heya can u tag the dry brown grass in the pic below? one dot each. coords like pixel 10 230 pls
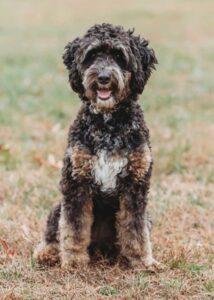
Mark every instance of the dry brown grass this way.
pixel 36 106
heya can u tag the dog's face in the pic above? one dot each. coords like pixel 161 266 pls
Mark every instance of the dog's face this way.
pixel 108 65
pixel 106 78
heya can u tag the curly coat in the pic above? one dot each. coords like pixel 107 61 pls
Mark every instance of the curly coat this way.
pixel 107 164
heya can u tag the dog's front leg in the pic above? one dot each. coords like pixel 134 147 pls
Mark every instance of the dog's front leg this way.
pixel 133 226
pixel 133 231
pixel 75 229
pixel 76 214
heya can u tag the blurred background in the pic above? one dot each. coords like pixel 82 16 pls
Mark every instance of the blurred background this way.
pixel 37 105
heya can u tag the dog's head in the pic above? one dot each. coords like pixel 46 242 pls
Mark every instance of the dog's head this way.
pixel 108 65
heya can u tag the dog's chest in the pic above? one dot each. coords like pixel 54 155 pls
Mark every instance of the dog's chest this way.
pixel 106 169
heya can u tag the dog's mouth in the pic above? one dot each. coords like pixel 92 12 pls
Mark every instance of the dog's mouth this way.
pixel 104 93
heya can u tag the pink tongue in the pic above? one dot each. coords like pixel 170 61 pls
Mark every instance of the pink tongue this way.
pixel 104 94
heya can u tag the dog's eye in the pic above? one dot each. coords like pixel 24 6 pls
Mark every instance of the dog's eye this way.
pixel 90 56
pixel 119 58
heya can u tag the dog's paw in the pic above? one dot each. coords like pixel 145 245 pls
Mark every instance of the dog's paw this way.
pixel 47 255
pixel 153 265
pixel 148 263
pixel 74 261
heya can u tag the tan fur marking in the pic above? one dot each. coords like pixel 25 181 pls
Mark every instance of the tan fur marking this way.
pixel 46 254
pixel 73 252
pixel 126 90
pixel 139 162
pixel 81 162
pixel 127 237
pixel 134 246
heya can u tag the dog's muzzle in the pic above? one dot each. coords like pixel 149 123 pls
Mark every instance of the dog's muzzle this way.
pixel 104 87
pixel 104 91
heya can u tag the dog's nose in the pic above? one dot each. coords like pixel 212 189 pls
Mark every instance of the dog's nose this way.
pixel 103 77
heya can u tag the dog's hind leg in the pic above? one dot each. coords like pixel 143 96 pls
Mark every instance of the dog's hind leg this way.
pixel 47 251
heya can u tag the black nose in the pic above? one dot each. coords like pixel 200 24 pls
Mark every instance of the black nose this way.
pixel 103 78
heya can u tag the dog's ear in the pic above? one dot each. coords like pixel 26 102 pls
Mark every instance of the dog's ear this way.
pixel 148 59
pixel 145 60
pixel 69 59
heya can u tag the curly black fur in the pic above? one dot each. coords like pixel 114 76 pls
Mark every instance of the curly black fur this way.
pixel 119 212
pixel 142 58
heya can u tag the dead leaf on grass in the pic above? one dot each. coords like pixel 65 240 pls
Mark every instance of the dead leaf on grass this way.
pixel 10 251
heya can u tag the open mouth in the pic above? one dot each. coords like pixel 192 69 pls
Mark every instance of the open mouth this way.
pixel 104 94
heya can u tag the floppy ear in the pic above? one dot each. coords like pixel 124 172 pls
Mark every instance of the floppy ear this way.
pixel 145 59
pixel 69 59
pixel 148 59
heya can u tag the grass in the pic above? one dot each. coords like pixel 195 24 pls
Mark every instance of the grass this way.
pixel 36 106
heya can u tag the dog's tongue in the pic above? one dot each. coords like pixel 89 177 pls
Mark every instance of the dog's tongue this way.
pixel 103 94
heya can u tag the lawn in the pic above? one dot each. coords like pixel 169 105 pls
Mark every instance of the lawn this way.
pixel 36 107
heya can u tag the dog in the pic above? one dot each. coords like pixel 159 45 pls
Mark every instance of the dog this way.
pixel 108 162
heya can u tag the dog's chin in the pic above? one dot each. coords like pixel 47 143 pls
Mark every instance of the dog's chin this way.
pixel 105 105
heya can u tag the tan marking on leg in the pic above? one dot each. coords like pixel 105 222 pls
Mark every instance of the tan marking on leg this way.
pixel 148 260
pixel 139 162
pixel 73 252
pixel 135 246
pixel 127 236
pixel 46 254
pixel 81 162
pixel 147 249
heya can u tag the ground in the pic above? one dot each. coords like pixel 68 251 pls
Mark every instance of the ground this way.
pixel 36 106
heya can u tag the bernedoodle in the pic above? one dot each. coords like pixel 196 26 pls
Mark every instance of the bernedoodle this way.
pixel 108 162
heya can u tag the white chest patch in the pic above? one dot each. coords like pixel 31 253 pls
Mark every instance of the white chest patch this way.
pixel 106 168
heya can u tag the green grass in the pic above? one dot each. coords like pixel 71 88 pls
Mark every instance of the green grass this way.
pixel 108 291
